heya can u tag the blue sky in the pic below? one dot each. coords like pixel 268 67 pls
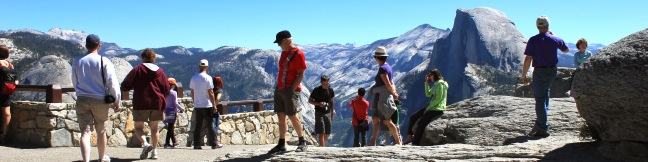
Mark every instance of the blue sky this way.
pixel 253 24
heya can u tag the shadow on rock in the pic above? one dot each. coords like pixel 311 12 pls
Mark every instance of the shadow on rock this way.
pixel 113 159
pixel 519 139
pixel 582 151
pixel 261 157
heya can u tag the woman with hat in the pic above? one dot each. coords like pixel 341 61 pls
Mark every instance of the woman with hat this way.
pixel 384 98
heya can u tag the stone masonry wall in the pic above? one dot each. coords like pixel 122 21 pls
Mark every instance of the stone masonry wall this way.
pixel 38 124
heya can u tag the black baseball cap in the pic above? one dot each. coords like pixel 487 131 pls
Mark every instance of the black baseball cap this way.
pixel 282 35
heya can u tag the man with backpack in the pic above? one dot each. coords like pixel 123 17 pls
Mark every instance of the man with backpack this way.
pixel 95 83
pixel 292 64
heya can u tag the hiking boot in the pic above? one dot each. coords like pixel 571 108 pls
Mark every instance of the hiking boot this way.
pixel 277 149
pixel 154 154
pixel 533 131
pixel 145 151
pixel 541 134
pixel 301 147
pixel 2 139
pixel 106 158
pixel 409 140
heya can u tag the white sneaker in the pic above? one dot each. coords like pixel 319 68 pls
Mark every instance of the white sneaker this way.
pixel 154 154
pixel 145 150
pixel 106 158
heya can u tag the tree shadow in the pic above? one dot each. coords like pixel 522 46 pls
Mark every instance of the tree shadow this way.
pixel 581 151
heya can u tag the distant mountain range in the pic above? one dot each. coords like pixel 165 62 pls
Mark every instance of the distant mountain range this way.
pixel 482 54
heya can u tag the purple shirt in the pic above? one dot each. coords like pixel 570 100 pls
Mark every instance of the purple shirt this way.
pixel 384 69
pixel 172 107
pixel 543 48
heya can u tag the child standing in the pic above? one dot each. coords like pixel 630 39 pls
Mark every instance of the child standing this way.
pixel 360 107
pixel 170 113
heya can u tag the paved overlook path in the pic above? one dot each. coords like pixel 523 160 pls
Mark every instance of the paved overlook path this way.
pixel 554 148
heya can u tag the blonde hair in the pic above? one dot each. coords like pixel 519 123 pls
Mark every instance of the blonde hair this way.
pixel 581 41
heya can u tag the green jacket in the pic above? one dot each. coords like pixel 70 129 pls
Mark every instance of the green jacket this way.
pixel 438 94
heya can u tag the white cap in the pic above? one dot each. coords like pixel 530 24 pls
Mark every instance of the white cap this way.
pixel 381 51
pixel 542 22
pixel 204 62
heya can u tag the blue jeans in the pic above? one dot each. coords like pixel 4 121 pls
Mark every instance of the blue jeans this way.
pixel 542 80
pixel 215 123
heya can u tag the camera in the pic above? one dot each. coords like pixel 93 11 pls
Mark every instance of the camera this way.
pixel 109 99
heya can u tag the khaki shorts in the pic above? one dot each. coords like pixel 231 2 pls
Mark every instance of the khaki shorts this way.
pixel 91 112
pixel 286 101
pixel 147 115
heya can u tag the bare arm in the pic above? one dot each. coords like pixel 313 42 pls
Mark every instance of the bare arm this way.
pixel 298 80
pixel 525 69
pixel 212 98
pixel 193 98
pixel 389 85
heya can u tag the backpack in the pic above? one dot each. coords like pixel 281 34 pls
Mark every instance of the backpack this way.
pixel 8 78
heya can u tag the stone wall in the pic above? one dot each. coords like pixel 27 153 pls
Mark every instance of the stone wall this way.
pixel 39 124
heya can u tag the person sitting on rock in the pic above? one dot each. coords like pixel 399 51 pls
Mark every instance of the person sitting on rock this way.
pixel 542 50
pixel 437 90
pixel 582 54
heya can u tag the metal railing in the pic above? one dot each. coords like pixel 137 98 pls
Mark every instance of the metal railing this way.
pixel 54 94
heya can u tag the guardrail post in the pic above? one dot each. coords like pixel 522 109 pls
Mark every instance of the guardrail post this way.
pixel 180 92
pixel 258 106
pixel 222 108
pixel 125 95
pixel 54 94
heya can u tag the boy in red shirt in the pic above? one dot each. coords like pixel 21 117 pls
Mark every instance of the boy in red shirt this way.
pixel 360 121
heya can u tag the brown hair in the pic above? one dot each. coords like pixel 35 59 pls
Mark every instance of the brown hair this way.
pixel 436 74
pixel 218 82
pixel 381 58
pixel 4 52
pixel 581 41
pixel 148 55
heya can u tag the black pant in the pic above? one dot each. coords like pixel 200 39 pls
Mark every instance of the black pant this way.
pixel 203 116
pixel 170 134
pixel 362 133
pixel 423 117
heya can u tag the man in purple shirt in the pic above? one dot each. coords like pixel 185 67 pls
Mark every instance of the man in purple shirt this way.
pixel 542 50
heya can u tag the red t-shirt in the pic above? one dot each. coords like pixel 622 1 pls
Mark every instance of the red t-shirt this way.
pixel 298 63
pixel 360 110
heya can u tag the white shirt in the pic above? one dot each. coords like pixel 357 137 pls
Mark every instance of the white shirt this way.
pixel 200 84
pixel 86 77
